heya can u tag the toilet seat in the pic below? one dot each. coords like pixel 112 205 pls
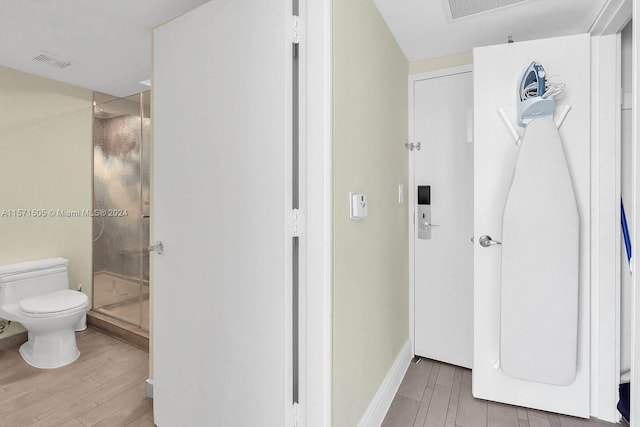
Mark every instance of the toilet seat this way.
pixel 54 303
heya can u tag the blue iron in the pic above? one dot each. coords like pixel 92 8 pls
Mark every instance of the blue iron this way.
pixel 533 100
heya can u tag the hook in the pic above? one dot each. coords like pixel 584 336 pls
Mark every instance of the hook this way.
pixel 512 130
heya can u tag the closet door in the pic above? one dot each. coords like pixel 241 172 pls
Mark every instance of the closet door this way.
pixel 222 195
pixel 512 312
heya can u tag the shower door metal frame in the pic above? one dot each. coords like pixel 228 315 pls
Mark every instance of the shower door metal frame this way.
pixel 143 246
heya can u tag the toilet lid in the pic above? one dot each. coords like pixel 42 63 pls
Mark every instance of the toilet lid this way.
pixel 54 302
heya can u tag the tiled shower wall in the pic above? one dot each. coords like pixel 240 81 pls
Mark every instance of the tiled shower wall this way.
pixel 121 195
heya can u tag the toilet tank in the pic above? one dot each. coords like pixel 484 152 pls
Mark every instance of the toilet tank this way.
pixel 29 279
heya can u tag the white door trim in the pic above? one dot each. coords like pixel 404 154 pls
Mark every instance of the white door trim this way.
pixel 635 233
pixel 411 190
pixel 605 225
pixel 318 135
pixel 612 18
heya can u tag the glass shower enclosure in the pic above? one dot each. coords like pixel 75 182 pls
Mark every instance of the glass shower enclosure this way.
pixel 121 137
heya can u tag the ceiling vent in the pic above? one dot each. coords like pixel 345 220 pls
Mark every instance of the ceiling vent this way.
pixel 461 8
pixel 53 60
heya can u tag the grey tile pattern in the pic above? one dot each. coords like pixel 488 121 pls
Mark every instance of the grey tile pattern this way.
pixel 471 412
pixel 538 419
pixel 522 414
pixel 445 376
pixel 554 420
pixel 500 415
pixel 104 387
pixel 437 414
pixel 424 407
pixel 402 412
pixel 415 381
pixel 452 411
pixel 435 394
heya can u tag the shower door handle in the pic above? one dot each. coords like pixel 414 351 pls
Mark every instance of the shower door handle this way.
pixel 486 241
pixel 158 247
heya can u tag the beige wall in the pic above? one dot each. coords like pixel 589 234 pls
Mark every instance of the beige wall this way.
pixel 45 163
pixel 370 307
pixel 441 62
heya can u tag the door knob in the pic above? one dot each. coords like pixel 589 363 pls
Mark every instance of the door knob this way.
pixel 158 247
pixel 486 241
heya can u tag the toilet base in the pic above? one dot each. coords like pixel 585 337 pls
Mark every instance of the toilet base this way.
pixel 50 350
pixel 82 323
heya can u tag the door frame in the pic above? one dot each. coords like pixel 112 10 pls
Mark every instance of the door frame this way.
pixel 413 79
pixel 316 114
pixel 612 20
pixel 635 233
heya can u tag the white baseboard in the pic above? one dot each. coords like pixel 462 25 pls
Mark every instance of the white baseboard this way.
pixel 375 413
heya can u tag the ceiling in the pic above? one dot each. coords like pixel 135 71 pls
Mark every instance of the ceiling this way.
pixel 108 42
pixel 424 29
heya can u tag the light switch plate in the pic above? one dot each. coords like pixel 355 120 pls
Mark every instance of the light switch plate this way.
pixel 400 194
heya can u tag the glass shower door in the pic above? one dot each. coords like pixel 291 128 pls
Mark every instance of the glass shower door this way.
pixel 121 208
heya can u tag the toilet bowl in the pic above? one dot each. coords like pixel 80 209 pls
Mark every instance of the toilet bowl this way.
pixel 37 295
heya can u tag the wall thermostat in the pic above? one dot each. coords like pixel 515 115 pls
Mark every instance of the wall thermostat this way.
pixel 358 206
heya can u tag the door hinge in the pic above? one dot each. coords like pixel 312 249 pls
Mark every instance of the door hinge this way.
pixel 297 223
pixel 411 146
pixel 295 29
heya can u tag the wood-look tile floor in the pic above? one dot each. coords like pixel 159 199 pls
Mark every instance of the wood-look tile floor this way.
pixel 104 387
pixel 434 394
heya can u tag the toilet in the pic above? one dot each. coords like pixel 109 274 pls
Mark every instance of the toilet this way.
pixel 37 295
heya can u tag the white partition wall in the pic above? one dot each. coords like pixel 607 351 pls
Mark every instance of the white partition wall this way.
pixel 497 72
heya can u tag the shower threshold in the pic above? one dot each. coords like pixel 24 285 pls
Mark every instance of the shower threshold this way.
pixel 119 329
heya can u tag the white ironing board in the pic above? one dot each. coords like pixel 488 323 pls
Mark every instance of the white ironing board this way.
pixel 540 260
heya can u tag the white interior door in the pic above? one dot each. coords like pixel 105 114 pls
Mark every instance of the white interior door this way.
pixel 222 194
pixel 443 263
pixel 497 72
